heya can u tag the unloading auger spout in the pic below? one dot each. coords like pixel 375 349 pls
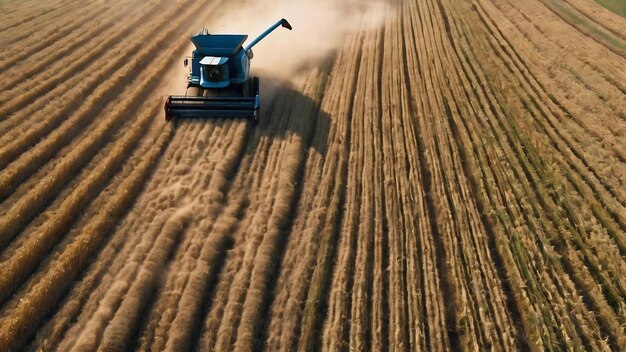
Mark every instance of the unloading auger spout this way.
pixel 282 22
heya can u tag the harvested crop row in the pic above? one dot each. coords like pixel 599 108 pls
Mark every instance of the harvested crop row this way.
pixel 357 211
pixel 44 150
pixel 460 100
pixel 26 257
pixel 121 68
pixel 596 83
pixel 21 321
pixel 598 67
pixel 26 16
pixel 299 127
pixel 337 157
pixel 369 228
pixel 53 86
pixel 166 58
pixel 593 136
pixel 440 210
pixel 261 165
pixel 75 305
pixel 458 218
pixel 435 306
pixel 590 261
pixel 581 179
pixel 33 34
pixel 87 306
pixel 426 288
pixel 177 169
pixel 549 230
pixel 454 100
pixel 478 255
pixel 52 63
pixel 29 205
pixel 324 163
pixel 150 230
pixel 117 253
pixel 404 214
pixel 127 310
pixel 601 16
pixel 252 172
pixel 204 166
pixel 585 188
pixel 272 162
pixel 22 51
pixel 220 223
pixel 157 191
pixel 593 175
pixel 587 26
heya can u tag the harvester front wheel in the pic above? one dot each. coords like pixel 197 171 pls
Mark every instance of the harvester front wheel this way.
pixel 255 85
pixel 255 92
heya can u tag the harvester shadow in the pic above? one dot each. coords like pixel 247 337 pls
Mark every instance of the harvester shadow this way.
pixel 286 112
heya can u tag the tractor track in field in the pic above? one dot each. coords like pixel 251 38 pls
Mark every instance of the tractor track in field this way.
pixel 445 179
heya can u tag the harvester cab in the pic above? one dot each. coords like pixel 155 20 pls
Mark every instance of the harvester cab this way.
pixel 220 69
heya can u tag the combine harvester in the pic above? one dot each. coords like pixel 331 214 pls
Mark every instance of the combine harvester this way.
pixel 220 66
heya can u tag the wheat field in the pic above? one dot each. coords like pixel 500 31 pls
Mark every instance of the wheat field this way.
pixel 427 175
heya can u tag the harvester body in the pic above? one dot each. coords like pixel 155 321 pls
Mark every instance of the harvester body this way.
pixel 218 61
pixel 220 69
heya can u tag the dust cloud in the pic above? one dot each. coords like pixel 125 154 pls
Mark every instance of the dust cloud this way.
pixel 319 28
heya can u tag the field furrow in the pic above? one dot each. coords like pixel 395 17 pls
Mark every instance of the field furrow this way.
pixel 28 205
pixel 22 51
pixel 27 15
pixel 20 93
pixel 74 109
